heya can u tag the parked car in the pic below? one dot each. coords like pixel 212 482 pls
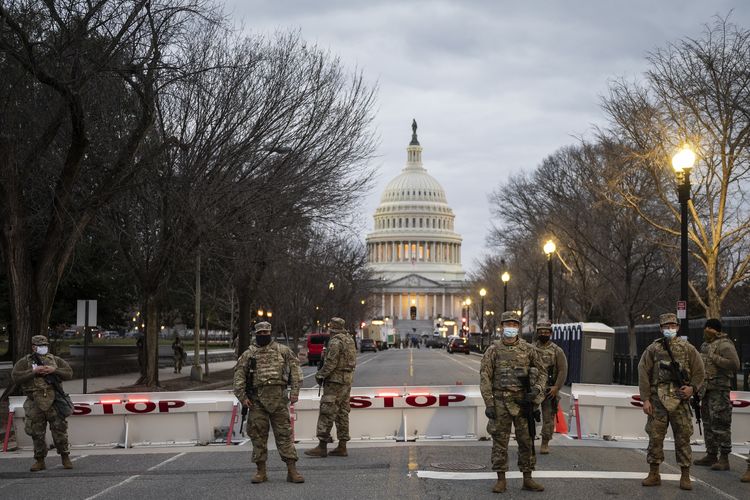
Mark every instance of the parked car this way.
pixel 367 345
pixel 70 334
pixel 458 344
pixel 436 341
pixel 315 344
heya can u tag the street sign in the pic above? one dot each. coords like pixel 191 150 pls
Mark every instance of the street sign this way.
pixel 81 317
pixel 681 309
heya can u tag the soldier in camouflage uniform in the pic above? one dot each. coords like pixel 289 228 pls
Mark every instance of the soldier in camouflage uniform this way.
pixel 276 366
pixel 40 396
pixel 336 376
pixel 178 352
pixel 555 372
pixel 721 362
pixel 664 402
pixel 504 364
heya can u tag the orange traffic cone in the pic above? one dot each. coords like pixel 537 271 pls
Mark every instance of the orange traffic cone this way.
pixel 561 426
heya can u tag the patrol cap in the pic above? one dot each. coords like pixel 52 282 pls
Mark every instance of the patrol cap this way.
pixel 39 340
pixel 510 316
pixel 714 324
pixel 337 325
pixel 544 324
pixel 263 326
pixel 668 318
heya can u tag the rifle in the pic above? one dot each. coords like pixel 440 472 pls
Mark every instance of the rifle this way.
pixel 321 362
pixel 532 414
pixel 681 378
pixel 249 390
pixel 550 382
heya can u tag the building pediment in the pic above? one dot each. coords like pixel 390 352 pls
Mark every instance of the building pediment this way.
pixel 414 281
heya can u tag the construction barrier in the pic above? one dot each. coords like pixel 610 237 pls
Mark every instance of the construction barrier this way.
pixel 214 417
pixel 616 412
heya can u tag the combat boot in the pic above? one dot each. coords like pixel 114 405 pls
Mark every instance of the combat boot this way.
pixel 707 461
pixel 746 477
pixel 500 484
pixel 339 451
pixel 529 484
pixel 685 483
pixel 653 478
pixel 66 463
pixel 722 464
pixel 292 476
pixel 544 449
pixel 38 465
pixel 318 451
pixel 260 475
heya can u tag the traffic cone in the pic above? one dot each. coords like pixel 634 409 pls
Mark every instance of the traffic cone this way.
pixel 561 426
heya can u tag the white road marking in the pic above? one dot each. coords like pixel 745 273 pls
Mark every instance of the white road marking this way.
pixel 358 365
pixel 133 478
pixel 543 474
pixel 743 457
pixel 457 361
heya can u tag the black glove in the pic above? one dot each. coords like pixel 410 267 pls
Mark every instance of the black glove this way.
pixel 319 379
pixel 490 413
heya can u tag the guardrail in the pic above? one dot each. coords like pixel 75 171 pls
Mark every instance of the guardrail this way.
pixel 615 412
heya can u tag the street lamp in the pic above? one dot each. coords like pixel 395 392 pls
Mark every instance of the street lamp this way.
pixel 468 315
pixel 505 278
pixel 482 293
pixel 683 162
pixel 549 249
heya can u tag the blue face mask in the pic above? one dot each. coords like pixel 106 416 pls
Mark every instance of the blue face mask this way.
pixel 669 333
pixel 510 332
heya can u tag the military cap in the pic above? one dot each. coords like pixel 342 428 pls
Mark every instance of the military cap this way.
pixel 39 340
pixel 337 325
pixel 544 324
pixel 668 318
pixel 714 324
pixel 263 326
pixel 510 316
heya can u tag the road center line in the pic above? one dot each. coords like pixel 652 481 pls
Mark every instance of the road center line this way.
pixel 136 476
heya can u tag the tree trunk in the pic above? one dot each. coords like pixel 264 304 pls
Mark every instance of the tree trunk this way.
pixel 152 342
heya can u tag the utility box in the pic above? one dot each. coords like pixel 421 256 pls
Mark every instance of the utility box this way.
pixel 590 349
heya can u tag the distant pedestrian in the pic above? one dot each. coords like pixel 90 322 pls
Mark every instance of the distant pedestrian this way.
pixel 39 375
pixel 178 352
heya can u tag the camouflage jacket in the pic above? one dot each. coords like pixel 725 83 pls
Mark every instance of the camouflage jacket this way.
pixel 503 366
pixel 35 387
pixel 554 361
pixel 275 366
pixel 653 368
pixel 721 362
pixel 340 359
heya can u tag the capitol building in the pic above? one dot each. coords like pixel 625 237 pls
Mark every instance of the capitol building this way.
pixel 414 254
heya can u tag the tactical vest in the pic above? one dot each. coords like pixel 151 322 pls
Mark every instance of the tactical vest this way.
pixel 270 365
pixel 548 357
pixel 343 372
pixel 716 377
pixel 511 365
pixel 37 389
pixel 661 374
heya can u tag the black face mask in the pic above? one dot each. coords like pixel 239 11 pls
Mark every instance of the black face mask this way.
pixel 543 338
pixel 262 340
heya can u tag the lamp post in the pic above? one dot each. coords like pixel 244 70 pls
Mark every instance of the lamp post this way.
pixel 505 278
pixel 682 162
pixel 549 250
pixel 482 293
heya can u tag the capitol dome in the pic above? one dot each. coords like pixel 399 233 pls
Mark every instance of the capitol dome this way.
pixel 415 255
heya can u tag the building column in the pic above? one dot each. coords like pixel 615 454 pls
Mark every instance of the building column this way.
pixel 382 305
pixel 434 306
pixel 391 314
pixel 442 310
pixel 453 307
pixel 400 305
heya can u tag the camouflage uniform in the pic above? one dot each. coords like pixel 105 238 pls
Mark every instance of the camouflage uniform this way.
pixel 178 352
pixel 556 369
pixel 721 362
pixel 275 367
pixel 656 385
pixel 338 373
pixel 40 397
pixel 501 388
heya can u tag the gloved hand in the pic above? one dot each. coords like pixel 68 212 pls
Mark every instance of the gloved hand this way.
pixel 490 412
pixel 319 379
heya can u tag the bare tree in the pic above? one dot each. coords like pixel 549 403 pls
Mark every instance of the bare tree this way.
pixel 696 91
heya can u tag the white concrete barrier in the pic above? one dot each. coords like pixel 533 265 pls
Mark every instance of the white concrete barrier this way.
pixel 615 411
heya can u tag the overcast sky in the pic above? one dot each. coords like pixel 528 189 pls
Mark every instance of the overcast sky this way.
pixel 495 86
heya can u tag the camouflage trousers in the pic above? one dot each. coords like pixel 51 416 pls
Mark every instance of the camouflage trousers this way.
pixel 334 408
pixel 271 409
pixel 548 419
pixel 36 427
pixel 499 429
pixel 178 363
pixel 682 429
pixel 716 412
